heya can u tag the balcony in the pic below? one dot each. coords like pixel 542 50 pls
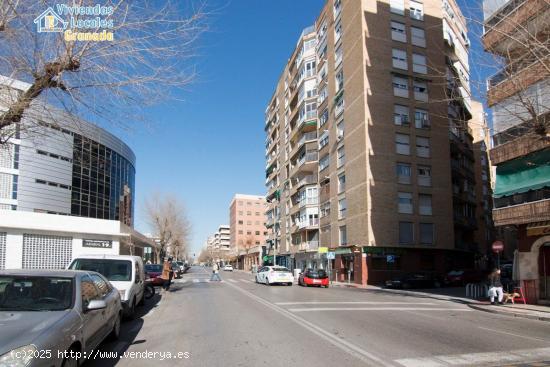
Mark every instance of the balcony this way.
pixel 307 180
pixel 523 213
pixel 517 148
pixel 506 20
pixel 308 224
pixel 309 201
pixel 506 84
pixel 308 246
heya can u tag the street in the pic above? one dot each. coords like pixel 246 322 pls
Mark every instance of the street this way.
pixel 239 323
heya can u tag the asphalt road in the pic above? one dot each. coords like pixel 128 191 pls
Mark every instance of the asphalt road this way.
pixel 239 323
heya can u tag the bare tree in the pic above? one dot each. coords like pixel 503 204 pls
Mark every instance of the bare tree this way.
pixel 168 221
pixel 519 59
pixel 137 55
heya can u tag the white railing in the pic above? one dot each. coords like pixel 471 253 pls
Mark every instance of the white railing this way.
pixel 476 291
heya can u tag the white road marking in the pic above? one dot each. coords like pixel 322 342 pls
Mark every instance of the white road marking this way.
pixel 368 358
pixel 232 280
pixel 512 334
pixel 379 309
pixel 352 303
pixel 245 280
pixel 474 359
pixel 196 280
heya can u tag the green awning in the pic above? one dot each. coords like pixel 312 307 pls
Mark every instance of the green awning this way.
pixel 520 175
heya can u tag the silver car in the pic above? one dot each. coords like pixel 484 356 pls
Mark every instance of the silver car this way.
pixel 55 317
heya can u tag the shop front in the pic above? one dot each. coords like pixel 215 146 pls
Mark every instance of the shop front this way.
pixel 532 262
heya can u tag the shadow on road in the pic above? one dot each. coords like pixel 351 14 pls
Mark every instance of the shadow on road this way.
pixel 128 333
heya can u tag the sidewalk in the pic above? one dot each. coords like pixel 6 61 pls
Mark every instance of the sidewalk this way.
pixel 457 294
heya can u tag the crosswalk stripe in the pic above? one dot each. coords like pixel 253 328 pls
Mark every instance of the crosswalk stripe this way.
pixel 232 280
pixel 473 359
pixel 196 280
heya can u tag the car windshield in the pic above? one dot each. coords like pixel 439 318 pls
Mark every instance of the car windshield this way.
pixel 35 293
pixel 282 270
pixel 317 273
pixel 180 263
pixel 153 268
pixel 114 270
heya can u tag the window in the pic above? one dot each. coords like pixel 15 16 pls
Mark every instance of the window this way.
pixel 240 232
pixel 398 32
pixel 338 56
pixel 248 233
pixel 421 120
pixel 257 233
pixel 342 208
pixel 402 144
pixel 240 222
pixel 397 7
pixel 248 213
pixel 420 91
pixel 323 140
pixel 403 173
pixel 423 147
pixel 323 162
pixel 400 87
pixel 101 285
pixel 323 118
pixel 240 212
pixel 426 233
pixel 406 233
pixel 425 204
pixel 399 59
pixel 424 176
pixel 419 64
pixel 337 32
pixel 343 236
pixel 400 115
pixel 325 209
pixel 341 183
pixel 339 81
pixel 340 130
pixel 405 204
pixel 257 213
pixel 418 37
pixel 341 157
pixel 88 290
pixel 416 10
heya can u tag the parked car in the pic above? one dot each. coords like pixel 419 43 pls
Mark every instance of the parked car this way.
pixel 154 271
pixel 125 272
pixel 228 267
pixel 46 311
pixel 316 277
pixel 463 277
pixel 415 280
pixel 274 275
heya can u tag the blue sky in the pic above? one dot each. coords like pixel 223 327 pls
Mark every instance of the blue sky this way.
pixel 210 146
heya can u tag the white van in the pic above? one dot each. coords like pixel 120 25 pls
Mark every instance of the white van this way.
pixel 123 271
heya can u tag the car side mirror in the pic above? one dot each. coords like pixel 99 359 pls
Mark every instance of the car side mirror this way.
pixel 96 304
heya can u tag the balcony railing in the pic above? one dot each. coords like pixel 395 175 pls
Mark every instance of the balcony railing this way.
pixel 309 201
pixel 308 223
pixel 517 148
pixel 308 245
pixel 536 211
pixel 308 157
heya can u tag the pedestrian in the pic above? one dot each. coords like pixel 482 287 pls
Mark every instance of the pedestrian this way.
pixel 167 273
pixel 495 287
pixel 215 273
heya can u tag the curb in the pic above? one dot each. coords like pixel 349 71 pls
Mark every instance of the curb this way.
pixel 512 314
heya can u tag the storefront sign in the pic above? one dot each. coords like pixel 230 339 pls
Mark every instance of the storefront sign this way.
pixel 322 250
pixel 97 243
pixel 341 251
pixel 539 229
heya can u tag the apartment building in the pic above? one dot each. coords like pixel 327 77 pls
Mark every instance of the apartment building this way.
pixel 516 32
pixel 247 229
pixel 366 135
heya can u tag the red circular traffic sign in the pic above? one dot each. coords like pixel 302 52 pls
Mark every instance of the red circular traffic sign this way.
pixel 498 246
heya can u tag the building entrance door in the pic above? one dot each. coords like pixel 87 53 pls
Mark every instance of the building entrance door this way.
pixel 544 271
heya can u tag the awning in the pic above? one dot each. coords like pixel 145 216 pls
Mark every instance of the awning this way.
pixel 523 174
pixel 538 229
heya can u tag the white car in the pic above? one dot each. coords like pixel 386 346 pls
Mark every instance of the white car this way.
pixel 274 275
pixel 228 268
pixel 125 272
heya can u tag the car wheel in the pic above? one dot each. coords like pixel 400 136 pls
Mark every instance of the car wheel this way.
pixel 290 284
pixel 256 277
pixel 267 281
pixel 115 333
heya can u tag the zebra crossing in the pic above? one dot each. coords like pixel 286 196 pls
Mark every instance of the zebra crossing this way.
pixel 207 280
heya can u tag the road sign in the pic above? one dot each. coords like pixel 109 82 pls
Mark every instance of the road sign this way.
pixel 390 259
pixel 498 246
pixel 331 255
